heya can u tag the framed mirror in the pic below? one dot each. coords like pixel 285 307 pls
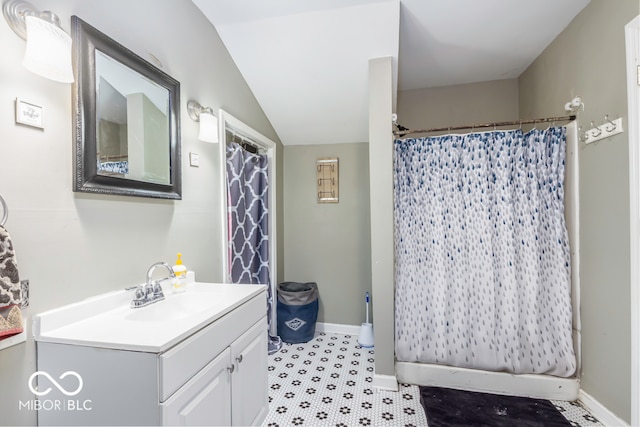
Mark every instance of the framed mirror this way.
pixel 127 120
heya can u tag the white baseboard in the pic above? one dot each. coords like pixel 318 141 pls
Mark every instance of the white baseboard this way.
pixel 385 382
pixel 598 410
pixel 336 328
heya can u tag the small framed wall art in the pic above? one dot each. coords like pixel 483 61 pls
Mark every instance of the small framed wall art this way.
pixel 29 114
pixel 327 180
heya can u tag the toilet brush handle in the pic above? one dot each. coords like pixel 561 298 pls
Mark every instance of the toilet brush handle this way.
pixel 367 305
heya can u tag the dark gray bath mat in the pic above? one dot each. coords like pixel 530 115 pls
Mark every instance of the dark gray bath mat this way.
pixel 447 407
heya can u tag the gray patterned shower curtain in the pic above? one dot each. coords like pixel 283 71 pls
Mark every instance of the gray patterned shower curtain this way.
pixel 248 211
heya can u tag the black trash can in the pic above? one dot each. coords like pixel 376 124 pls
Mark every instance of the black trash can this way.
pixel 297 311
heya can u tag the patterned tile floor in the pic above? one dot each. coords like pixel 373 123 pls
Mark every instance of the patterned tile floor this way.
pixel 328 382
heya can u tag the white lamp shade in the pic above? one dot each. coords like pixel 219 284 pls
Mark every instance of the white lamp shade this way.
pixel 208 127
pixel 48 51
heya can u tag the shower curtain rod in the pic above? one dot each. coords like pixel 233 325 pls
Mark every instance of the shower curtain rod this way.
pixel 406 131
pixel 244 142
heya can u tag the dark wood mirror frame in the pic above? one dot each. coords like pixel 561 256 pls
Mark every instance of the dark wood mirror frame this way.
pixel 86 40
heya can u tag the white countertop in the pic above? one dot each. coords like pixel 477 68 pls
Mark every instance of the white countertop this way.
pixel 108 321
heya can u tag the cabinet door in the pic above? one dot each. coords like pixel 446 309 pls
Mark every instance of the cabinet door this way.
pixel 249 382
pixel 205 400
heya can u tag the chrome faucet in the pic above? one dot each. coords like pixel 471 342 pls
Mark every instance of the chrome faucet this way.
pixel 151 291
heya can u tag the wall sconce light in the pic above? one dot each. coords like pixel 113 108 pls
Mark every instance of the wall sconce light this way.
pixel 208 122
pixel 48 51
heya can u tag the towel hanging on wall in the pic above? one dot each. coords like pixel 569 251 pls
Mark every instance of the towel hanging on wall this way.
pixel 10 289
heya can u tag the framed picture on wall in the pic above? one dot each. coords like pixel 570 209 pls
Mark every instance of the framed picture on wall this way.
pixel 327 180
pixel 29 114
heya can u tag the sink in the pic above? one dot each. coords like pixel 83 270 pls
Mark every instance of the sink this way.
pixel 108 321
pixel 172 308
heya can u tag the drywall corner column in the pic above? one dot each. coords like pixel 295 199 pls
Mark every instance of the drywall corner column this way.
pixel 381 199
pixel 632 43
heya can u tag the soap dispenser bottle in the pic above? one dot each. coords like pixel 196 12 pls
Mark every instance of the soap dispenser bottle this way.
pixel 180 282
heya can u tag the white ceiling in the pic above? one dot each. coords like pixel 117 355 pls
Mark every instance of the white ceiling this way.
pixel 306 61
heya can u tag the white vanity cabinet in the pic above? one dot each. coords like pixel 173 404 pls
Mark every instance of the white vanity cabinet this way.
pixel 230 390
pixel 249 381
pixel 213 374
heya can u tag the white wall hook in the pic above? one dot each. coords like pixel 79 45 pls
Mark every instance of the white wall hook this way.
pixel 612 127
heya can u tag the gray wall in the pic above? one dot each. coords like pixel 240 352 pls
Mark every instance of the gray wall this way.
pixel 566 69
pixel 72 246
pixel 459 105
pixel 329 243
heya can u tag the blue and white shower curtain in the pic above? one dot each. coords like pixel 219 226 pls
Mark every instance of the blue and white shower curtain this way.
pixel 482 253
pixel 248 210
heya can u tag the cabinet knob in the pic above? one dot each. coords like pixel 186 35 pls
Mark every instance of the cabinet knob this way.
pixel 239 359
pixel 231 369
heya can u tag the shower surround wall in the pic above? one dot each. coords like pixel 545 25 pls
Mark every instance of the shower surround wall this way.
pixel 71 245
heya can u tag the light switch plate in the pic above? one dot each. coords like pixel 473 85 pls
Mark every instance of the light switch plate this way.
pixel 193 160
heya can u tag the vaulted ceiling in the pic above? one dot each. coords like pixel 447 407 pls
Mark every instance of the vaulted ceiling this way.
pixel 307 61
